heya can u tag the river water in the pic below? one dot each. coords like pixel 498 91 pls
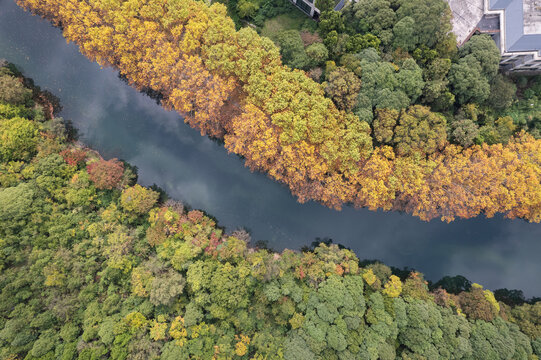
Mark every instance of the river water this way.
pixel 120 122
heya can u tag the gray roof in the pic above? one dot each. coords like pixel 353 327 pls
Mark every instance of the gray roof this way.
pixel 516 23
pixel 340 5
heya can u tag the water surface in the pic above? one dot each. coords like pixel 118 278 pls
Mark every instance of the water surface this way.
pixel 120 122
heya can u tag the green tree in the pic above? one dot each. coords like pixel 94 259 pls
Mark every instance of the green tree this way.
pixel 138 200
pixel 431 20
pixel 352 63
pixel 13 91
pixel 502 92
pixel 15 202
pixel 468 81
pixel 437 84
pixel 18 138
pixel 453 284
pixel 374 16
pixel 358 42
pixel 404 34
pixel 292 49
pixel 317 53
pixel 247 8
pixel 484 49
pixel 166 287
pixel 410 79
pixel 330 21
pixel 325 5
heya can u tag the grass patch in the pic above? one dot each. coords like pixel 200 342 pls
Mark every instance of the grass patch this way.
pixel 295 21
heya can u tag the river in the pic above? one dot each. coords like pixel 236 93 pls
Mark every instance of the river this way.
pixel 120 122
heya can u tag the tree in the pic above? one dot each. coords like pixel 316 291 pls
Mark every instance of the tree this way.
pixel 474 304
pixel 358 42
pixel 374 16
pixel 336 43
pixel 325 5
pixel 484 49
pixel 453 284
pixel 431 20
pixel 342 86
pixel 510 297
pixel 502 92
pixel 247 8
pixel 292 49
pixel 499 131
pixel 352 63
pixel 138 200
pixel 318 53
pixel 16 202
pixel 419 129
pixel 468 81
pixel 436 83
pixel 384 125
pixel 404 36
pixel 13 91
pixel 465 131
pixel 166 287
pixel 18 137
pixel 74 157
pixel 296 348
pixel 330 21
pixel 105 174
pixel 410 79
pixel 393 287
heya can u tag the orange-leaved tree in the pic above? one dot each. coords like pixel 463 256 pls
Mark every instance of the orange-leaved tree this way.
pixel 232 85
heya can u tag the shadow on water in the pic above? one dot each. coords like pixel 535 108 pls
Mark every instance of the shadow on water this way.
pixel 120 122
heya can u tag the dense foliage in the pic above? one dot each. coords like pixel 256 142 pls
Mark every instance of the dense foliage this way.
pixel 94 271
pixel 233 85
pixel 104 271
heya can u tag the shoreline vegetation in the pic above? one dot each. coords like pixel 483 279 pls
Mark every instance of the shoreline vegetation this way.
pixel 232 85
pixel 95 266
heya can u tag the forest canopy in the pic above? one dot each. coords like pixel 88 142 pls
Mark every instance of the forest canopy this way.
pixel 232 85
pixel 95 266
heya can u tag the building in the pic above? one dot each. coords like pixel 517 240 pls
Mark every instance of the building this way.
pixel 308 6
pixel 515 26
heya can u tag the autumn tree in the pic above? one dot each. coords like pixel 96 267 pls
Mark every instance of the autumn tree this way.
pixel 342 87
pixel 415 129
pixel 233 85
pixel 105 174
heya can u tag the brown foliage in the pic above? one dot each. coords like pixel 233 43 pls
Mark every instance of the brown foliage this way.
pixel 74 157
pixel 309 38
pixel 106 174
pixel 474 304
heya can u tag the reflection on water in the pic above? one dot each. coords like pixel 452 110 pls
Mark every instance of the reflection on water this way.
pixel 119 122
